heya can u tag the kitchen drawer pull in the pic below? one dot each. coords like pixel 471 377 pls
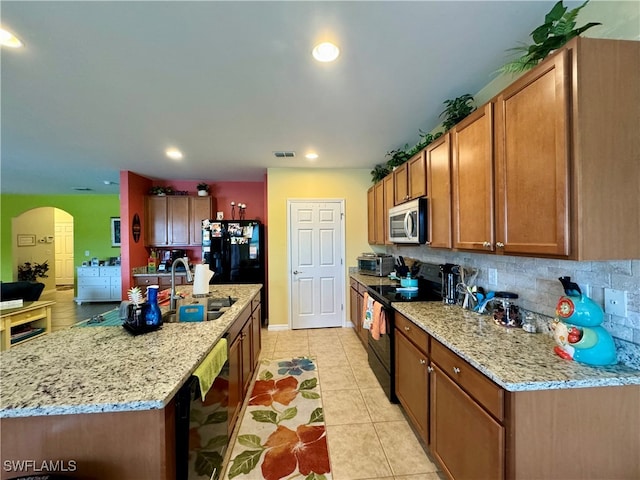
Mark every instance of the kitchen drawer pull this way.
pixel 423 361
pixel 486 244
pixel 499 244
pixel 407 328
pixel 429 369
pixel 456 370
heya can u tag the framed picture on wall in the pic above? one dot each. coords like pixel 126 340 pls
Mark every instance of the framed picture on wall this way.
pixel 115 231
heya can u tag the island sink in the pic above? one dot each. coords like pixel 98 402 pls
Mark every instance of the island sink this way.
pixel 215 308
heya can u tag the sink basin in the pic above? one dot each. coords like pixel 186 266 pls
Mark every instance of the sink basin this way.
pixel 172 316
pixel 216 303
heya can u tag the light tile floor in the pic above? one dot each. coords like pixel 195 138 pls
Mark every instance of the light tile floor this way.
pixel 368 437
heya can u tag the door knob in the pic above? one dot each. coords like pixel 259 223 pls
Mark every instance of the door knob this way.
pixel 295 272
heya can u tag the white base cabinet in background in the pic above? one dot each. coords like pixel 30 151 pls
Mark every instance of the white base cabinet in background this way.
pixel 99 284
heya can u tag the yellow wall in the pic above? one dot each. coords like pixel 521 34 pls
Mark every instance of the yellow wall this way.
pixel 295 183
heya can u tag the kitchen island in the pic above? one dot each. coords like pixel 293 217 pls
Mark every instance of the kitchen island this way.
pixel 100 399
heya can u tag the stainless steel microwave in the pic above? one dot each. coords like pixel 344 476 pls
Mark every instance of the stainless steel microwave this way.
pixel 408 222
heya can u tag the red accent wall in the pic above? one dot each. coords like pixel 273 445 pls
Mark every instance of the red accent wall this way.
pixel 134 187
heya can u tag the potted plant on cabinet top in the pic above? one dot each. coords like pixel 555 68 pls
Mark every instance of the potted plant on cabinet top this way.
pixel 457 109
pixel 203 189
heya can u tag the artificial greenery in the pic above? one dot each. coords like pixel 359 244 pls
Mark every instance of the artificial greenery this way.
pixel 379 172
pixel 203 186
pixel 557 29
pixel 30 272
pixel 456 110
pixel 156 190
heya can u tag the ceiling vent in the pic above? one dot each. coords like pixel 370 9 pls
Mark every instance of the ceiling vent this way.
pixel 284 154
pixel 82 189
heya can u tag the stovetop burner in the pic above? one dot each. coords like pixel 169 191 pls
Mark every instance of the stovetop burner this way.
pixel 386 294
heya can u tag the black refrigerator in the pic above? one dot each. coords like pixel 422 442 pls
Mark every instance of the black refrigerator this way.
pixel 234 251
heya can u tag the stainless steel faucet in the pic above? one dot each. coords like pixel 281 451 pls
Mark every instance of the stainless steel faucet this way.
pixel 174 297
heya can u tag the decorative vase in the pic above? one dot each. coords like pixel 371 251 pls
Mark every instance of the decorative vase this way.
pixel 202 193
pixel 152 313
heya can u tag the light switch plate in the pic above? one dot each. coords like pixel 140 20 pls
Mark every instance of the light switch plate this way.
pixel 615 302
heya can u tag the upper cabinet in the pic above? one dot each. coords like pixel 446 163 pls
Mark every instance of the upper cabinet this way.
pixel 438 157
pixel 377 206
pixel 175 220
pixel 472 174
pixel 410 179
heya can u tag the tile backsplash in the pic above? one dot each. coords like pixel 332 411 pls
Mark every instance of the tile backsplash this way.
pixel 535 280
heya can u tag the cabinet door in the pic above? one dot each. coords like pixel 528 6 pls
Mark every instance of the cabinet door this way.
pixel 401 184
pixel 156 220
pixel 178 220
pixel 379 213
pixel 532 162
pixel 199 209
pixel 371 215
pixel 417 176
pixel 438 156
pixel 247 364
pixel 412 385
pixel 388 203
pixel 256 336
pixel 473 218
pixel 466 440
pixel 353 308
pixel 235 381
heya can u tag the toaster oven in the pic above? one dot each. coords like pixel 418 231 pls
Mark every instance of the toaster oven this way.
pixel 377 264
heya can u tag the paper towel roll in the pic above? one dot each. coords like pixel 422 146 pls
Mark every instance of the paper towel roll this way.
pixel 201 280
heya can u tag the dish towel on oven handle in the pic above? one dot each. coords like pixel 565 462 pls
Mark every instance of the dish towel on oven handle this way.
pixel 374 317
pixel 367 311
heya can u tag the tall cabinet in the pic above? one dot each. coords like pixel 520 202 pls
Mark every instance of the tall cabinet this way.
pixel 175 220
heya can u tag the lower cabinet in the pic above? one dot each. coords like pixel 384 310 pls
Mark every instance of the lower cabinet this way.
pixel 99 284
pixel 356 310
pixel 412 374
pixel 465 439
pixel 244 339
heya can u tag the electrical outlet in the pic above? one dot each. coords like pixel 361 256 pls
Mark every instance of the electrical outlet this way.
pixel 615 302
pixel 493 276
pixel 87 253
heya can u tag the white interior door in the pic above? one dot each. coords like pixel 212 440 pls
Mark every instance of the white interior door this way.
pixel 317 267
pixel 64 253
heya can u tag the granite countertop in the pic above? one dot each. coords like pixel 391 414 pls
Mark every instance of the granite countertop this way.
pixel 373 280
pixel 513 358
pixel 105 369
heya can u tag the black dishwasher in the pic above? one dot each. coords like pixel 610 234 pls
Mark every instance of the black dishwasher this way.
pixel 201 428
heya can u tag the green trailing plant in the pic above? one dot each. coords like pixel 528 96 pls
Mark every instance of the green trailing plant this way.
pixel 203 186
pixel 379 172
pixel 32 271
pixel 456 110
pixel 558 28
pixel 398 157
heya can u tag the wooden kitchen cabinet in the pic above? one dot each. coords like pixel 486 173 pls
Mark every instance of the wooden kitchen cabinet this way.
pixel 244 340
pixel 389 202
pixel 412 373
pixel 567 154
pixel 175 220
pixel 438 158
pixel 356 311
pixel 472 181
pixel 410 179
pixel 371 215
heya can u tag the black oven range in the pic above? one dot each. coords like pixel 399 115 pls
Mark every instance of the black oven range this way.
pixel 381 353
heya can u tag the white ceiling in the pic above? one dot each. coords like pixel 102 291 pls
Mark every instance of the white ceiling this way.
pixel 107 86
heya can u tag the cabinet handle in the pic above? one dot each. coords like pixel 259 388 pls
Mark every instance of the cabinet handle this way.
pixel 456 370
pixel 406 329
pixel 486 244
pixel 429 369
pixel 423 361
pixel 499 244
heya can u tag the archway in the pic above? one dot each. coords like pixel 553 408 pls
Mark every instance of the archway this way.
pixel 45 234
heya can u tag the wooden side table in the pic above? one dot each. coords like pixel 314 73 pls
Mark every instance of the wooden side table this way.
pixel 36 314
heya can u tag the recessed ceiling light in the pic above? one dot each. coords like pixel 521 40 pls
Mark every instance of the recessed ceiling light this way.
pixel 311 155
pixel 109 182
pixel 8 39
pixel 325 52
pixel 173 153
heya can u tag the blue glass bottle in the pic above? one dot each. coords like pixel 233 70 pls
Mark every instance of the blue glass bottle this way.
pixel 152 314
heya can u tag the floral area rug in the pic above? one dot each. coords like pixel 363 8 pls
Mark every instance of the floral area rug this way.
pixel 282 432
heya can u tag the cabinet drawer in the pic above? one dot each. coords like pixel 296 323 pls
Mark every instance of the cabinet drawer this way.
pixel 109 271
pixel 93 282
pixel 412 332
pixel 88 272
pixel 26 317
pixel 153 280
pixel 255 302
pixel 483 390
pixel 353 283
